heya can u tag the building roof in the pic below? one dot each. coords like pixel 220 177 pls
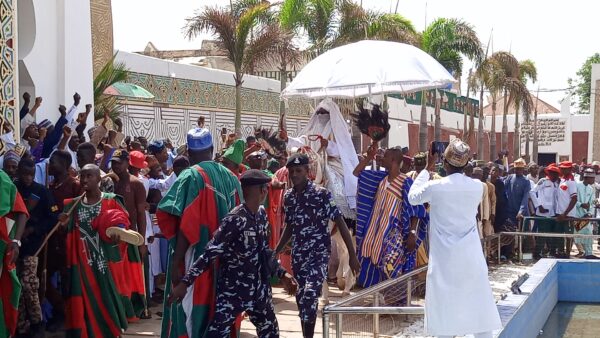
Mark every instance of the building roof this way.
pixel 543 107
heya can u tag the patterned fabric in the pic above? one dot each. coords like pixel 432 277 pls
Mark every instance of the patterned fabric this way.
pixel 382 251
pixel 200 197
pixel 105 285
pixel 30 310
pixel 239 243
pixel 309 213
pixel 10 287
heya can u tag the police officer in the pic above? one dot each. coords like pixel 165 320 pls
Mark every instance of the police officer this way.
pixel 308 210
pixel 245 264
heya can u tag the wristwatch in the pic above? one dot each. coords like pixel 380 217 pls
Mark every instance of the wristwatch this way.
pixel 16 241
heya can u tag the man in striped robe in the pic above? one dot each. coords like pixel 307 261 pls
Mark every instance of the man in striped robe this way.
pixel 389 229
pixel 188 215
pixel 13 216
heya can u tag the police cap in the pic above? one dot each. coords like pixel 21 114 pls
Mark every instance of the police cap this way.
pixel 297 160
pixel 254 177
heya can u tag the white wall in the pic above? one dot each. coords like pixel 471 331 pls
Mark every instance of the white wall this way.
pixel 149 65
pixel 60 59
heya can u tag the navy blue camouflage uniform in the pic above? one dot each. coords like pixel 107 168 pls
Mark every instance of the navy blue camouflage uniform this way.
pixel 241 285
pixel 309 213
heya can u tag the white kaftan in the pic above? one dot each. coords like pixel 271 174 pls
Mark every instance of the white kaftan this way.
pixel 459 298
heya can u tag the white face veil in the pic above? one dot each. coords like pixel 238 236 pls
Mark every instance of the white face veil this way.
pixel 343 141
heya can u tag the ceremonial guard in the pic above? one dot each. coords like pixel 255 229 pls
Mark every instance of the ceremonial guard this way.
pixel 308 211
pixel 246 264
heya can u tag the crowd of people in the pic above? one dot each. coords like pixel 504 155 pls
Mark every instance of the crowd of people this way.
pixel 93 220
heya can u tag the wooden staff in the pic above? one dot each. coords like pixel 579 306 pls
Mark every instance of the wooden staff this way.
pixel 57 226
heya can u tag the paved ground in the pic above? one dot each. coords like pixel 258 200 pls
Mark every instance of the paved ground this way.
pixel 501 276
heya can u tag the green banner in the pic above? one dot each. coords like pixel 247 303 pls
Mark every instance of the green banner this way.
pixel 450 101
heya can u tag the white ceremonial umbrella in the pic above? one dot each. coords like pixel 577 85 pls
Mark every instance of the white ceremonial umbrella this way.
pixel 366 68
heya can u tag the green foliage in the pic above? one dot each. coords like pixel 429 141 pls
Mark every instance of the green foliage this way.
pixel 447 39
pixel 110 74
pixel 581 87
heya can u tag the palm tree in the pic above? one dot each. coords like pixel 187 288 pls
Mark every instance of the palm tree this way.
pixel 246 43
pixel 491 75
pixel 356 24
pixel 527 71
pixel 447 40
pixel 111 73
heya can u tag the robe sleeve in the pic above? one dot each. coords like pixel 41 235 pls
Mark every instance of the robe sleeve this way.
pixel 420 191
pixel 332 149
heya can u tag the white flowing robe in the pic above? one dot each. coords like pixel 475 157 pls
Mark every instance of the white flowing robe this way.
pixel 459 298
pixel 341 155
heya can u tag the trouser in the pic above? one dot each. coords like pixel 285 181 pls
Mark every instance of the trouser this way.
pixel 565 228
pixel 261 315
pixel 548 225
pixel 343 273
pixel 310 277
pixel 487 334
pixel 586 243
pixel 30 310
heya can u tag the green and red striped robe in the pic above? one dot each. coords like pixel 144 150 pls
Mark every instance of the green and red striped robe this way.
pixel 11 203
pixel 101 303
pixel 194 206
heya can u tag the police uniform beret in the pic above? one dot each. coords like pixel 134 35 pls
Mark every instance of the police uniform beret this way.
pixel 254 177
pixel 297 160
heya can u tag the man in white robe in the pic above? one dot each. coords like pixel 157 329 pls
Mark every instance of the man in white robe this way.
pixel 459 298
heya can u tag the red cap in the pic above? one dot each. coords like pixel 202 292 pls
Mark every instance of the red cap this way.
pixel 566 164
pixel 552 167
pixel 137 160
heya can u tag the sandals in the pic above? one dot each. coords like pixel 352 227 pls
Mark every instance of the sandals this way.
pixel 127 236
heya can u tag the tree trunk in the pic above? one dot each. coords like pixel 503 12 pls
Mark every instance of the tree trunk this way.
pixel 516 139
pixel 471 121
pixel 504 137
pixel 283 84
pixel 238 108
pixel 534 150
pixel 493 132
pixel 465 112
pixel 480 127
pixel 423 123
pixel 437 131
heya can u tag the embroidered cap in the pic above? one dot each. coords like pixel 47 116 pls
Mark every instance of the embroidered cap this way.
pixel 297 160
pixel 457 153
pixel 156 146
pixel 199 139
pixel 235 152
pixel 520 163
pixel 589 172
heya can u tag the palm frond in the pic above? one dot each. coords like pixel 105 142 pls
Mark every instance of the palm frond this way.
pixel 508 63
pixel 445 38
pixel 244 26
pixel 527 71
pixel 217 21
pixel 292 14
pixel 111 73
pixel 265 49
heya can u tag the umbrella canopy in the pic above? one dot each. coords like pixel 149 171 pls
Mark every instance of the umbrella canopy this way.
pixel 369 67
pixel 128 90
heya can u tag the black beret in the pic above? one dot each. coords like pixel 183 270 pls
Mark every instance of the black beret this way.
pixel 297 160
pixel 254 177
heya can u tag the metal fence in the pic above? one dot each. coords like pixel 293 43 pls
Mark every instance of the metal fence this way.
pixel 382 310
pixel 386 309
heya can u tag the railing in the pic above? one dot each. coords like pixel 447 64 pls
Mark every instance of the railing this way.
pixel 378 311
pixel 387 308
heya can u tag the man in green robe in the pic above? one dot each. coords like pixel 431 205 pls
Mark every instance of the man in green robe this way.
pixel 188 215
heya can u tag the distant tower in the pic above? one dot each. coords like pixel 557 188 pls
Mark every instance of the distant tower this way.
pixel 102 33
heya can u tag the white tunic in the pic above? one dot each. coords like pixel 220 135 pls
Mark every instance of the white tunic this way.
pixel 459 298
